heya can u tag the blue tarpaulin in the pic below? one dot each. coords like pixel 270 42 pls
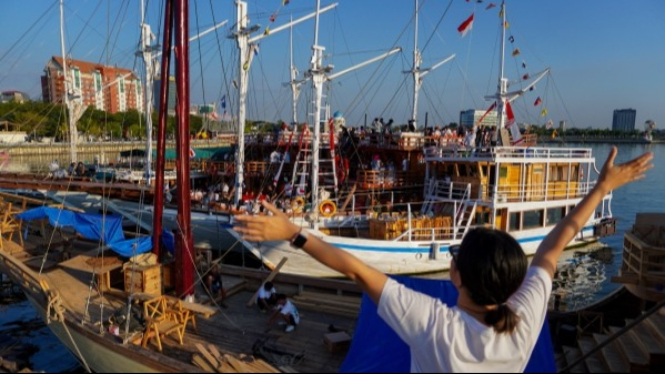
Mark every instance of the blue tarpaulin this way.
pixel 92 226
pixel 376 348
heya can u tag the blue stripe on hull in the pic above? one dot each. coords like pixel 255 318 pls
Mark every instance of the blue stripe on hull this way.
pixel 427 249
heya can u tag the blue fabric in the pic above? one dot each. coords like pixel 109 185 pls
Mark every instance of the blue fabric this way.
pixel 376 348
pixel 92 226
pixel 168 239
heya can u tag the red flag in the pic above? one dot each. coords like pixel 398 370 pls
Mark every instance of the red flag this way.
pixel 510 114
pixel 466 25
pixel 273 17
pixel 490 6
pixel 538 101
pixel 526 76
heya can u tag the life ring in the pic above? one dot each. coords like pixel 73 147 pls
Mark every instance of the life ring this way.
pixel 328 208
pixel 298 204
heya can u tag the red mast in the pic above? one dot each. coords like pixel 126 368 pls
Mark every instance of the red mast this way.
pixel 176 19
pixel 161 129
pixel 184 242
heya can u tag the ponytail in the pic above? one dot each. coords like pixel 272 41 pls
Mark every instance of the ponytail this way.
pixel 503 319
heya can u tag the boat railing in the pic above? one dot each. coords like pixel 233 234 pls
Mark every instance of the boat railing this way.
pixel 21 274
pixel 553 191
pixel 644 260
pixel 286 137
pixel 456 150
pixel 386 179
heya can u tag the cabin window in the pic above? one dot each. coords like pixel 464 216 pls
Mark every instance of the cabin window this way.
pixel 482 218
pixel 559 173
pixel 554 215
pixel 574 173
pixel 515 221
pixel 533 219
pixel 77 78
pixel 503 172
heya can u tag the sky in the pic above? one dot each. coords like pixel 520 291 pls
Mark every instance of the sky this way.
pixel 603 54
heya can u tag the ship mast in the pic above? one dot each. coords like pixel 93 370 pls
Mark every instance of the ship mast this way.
pixel 146 52
pixel 65 97
pixel 246 48
pixel 502 87
pixel 418 73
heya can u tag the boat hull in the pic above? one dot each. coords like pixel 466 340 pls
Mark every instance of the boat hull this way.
pixel 390 257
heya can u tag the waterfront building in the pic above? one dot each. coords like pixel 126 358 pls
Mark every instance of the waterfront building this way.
pixel 624 120
pixel 107 88
pixel 14 96
pixel 157 86
pixel 470 117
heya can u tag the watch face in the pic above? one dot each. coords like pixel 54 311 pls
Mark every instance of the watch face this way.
pixel 299 241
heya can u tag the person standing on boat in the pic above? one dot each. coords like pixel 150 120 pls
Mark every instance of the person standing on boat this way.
pixel 502 301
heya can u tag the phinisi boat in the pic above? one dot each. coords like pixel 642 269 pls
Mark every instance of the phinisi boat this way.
pixel 71 264
pixel 513 185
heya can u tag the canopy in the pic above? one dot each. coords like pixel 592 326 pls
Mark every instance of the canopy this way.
pixel 376 348
pixel 201 153
pixel 92 226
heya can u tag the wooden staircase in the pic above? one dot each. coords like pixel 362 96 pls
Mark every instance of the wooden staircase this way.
pixel 640 350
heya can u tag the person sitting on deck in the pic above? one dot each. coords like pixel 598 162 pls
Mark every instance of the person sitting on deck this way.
pixel 215 286
pixel 267 297
pixel 502 299
pixel 287 311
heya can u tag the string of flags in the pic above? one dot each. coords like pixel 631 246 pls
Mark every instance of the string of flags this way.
pixel 274 15
pixel 467 25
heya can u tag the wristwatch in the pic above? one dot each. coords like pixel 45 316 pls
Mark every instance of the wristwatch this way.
pixel 299 240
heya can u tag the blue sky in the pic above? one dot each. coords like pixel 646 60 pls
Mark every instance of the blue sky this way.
pixel 604 55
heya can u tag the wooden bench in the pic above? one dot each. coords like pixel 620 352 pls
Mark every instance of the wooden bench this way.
pixel 162 321
pixel 8 224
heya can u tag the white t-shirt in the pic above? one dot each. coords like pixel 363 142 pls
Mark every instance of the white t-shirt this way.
pixel 289 308
pixel 443 339
pixel 263 294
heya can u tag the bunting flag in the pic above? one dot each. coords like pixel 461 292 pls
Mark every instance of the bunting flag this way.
pixel 524 64
pixel 256 50
pixel 549 124
pixel 267 32
pixel 273 17
pixel 554 134
pixel 490 6
pixel 526 76
pixel 511 39
pixel 532 88
pixel 537 102
pixel 224 104
pixel 516 52
pixel 506 25
pixel 466 25
pixel 543 113
pixel 286 2
pixel 501 14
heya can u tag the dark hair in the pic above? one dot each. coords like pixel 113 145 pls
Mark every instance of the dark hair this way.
pixel 280 296
pixel 492 266
pixel 268 286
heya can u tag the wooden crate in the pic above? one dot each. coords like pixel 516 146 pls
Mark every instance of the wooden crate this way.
pixel 168 275
pixel 146 279
pixel 337 341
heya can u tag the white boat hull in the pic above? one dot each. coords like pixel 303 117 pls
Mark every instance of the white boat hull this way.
pixel 390 257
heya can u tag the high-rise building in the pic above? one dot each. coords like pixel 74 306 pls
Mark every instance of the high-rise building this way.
pixel 103 87
pixel 469 118
pixel 624 120
pixel 157 86
pixel 14 96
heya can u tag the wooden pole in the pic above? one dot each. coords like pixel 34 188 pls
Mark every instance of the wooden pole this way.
pixel 269 279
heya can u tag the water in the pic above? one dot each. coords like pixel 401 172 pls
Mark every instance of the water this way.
pixel 587 276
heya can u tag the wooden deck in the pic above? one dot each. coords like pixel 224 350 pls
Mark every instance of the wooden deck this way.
pixel 237 330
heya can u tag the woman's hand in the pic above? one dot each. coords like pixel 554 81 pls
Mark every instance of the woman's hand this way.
pixel 266 228
pixel 614 176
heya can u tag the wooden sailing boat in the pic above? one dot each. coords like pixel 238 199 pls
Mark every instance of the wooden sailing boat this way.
pixel 72 282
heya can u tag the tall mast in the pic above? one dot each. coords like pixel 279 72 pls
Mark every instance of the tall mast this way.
pixel 502 88
pixel 184 241
pixel 417 82
pixel 65 97
pixel 244 61
pixel 146 51
pixel 295 86
pixel 318 79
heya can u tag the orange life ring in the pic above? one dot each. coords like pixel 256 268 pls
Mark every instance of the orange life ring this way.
pixel 328 208
pixel 298 205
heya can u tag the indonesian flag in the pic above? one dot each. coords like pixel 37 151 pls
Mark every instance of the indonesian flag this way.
pixel 214 116
pixel 466 25
pixel 537 102
pixel 514 129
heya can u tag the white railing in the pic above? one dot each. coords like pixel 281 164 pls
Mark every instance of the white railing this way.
pixel 456 151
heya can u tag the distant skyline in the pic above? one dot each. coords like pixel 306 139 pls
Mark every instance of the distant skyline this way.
pixel 603 55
